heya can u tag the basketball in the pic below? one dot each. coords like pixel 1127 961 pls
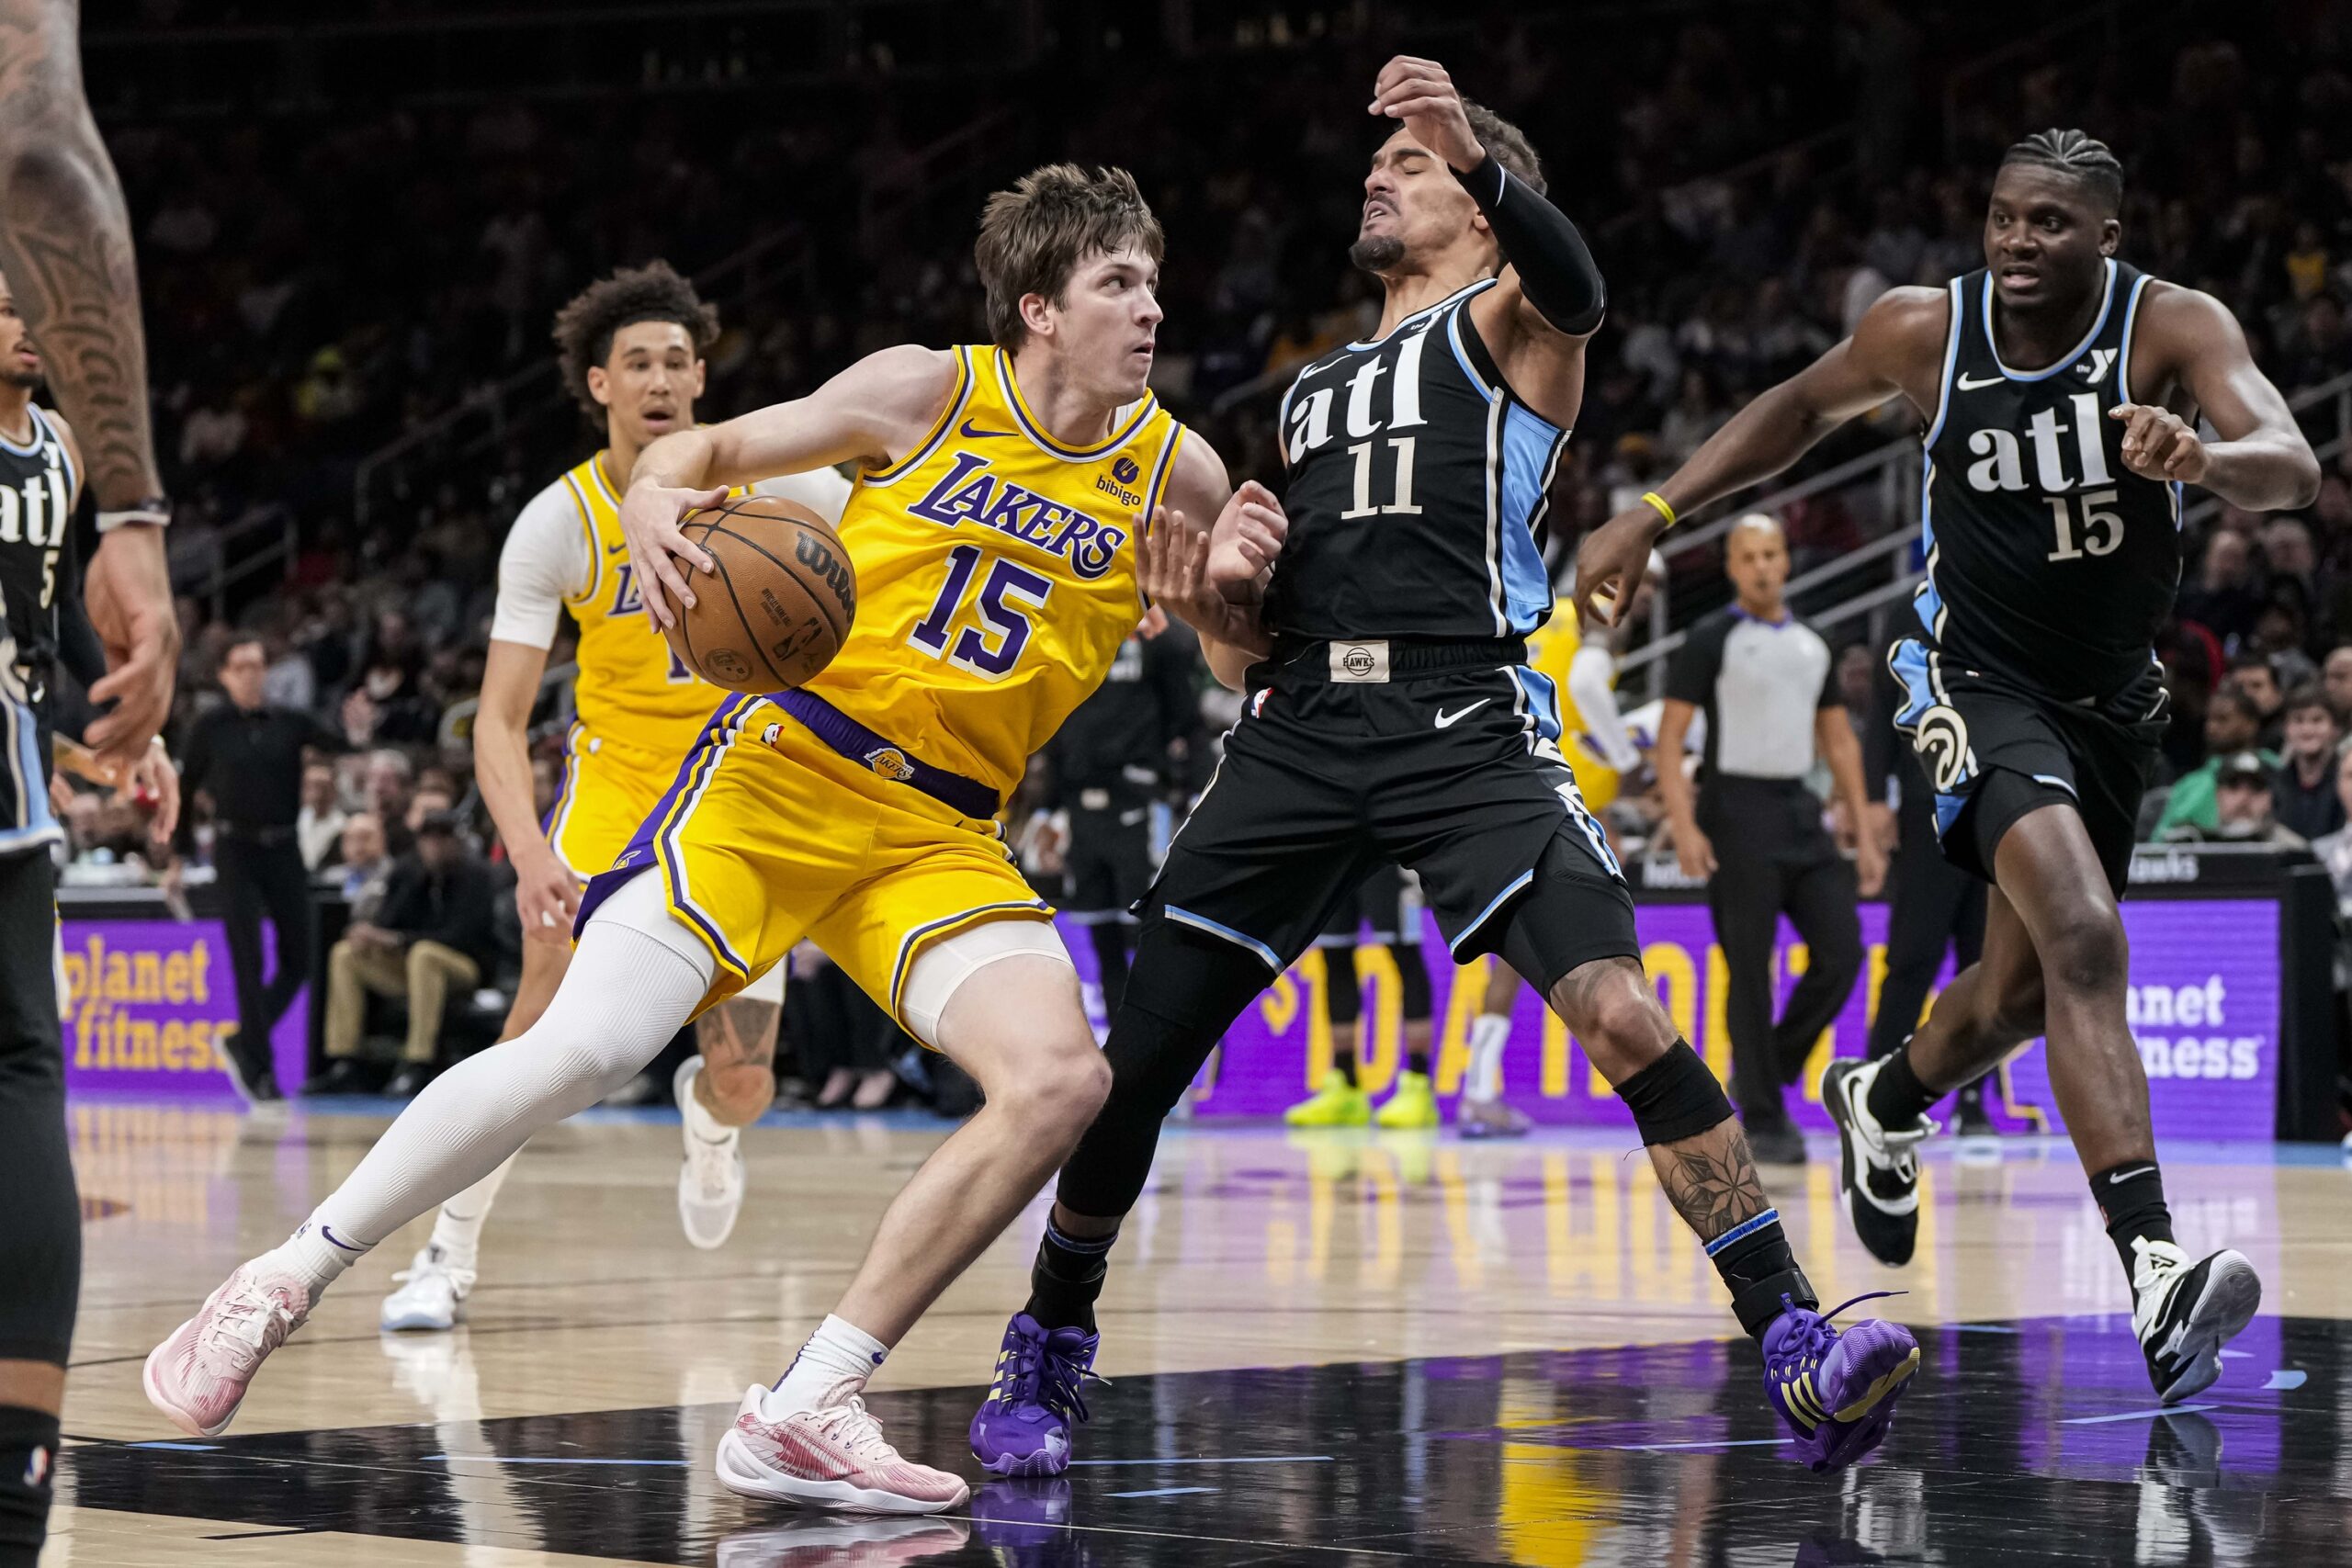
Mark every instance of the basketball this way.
pixel 780 605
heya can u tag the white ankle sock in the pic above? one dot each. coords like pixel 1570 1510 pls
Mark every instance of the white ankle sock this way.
pixel 315 1255
pixel 1489 1032
pixel 836 1353
pixel 457 1230
pixel 698 1117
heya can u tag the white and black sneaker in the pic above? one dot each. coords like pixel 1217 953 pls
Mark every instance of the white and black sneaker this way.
pixel 2184 1312
pixel 1878 1170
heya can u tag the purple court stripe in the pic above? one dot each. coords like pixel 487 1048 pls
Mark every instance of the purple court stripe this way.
pixel 1256 1459
pixel 2135 1415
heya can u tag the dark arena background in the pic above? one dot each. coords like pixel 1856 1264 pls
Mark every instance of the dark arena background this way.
pixel 1402 1287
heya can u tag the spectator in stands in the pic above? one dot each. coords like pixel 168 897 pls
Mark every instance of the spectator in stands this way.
pixel 367 865
pixel 2231 725
pixel 2242 804
pixel 2335 679
pixel 2304 791
pixel 2254 676
pixel 385 786
pixel 2334 850
pixel 318 826
pixel 2226 594
pixel 432 935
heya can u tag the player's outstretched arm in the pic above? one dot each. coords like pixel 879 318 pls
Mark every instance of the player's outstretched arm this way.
pixel 65 247
pixel 1212 578
pixel 871 414
pixel 2189 340
pixel 1896 350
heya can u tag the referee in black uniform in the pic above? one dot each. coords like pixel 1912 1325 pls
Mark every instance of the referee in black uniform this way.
pixel 1105 766
pixel 246 756
pixel 1763 678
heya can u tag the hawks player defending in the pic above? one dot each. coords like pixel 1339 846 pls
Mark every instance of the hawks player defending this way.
pixel 1002 490
pixel 2059 391
pixel 1394 718
pixel 631 347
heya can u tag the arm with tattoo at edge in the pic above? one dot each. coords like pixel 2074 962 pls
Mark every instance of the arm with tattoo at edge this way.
pixel 65 247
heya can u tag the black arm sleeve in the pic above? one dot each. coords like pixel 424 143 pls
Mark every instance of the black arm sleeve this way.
pixel 1556 273
pixel 78 648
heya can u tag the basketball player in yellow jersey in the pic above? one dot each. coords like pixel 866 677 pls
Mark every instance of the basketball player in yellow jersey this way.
pixel 1593 738
pixel 1003 493
pixel 631 347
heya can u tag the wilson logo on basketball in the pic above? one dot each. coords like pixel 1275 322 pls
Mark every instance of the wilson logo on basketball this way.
pixel 811 552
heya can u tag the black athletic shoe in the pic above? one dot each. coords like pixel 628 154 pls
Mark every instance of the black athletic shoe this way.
pixel 1970 1118
pixel 252 1079
pixel 1776 1142
pixel 344 1075
pixel 1878 1171
pixel 412 1077
pixel 2184 1312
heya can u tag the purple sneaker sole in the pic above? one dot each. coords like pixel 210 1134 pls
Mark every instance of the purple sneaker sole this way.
pixel 1047 1462
pixel 1862 1393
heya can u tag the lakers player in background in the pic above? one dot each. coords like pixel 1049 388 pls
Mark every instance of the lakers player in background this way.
pixel 1003 496
pixel 1601 754
pixel 631 347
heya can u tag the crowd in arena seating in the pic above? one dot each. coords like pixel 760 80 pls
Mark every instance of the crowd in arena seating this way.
pixel 313 296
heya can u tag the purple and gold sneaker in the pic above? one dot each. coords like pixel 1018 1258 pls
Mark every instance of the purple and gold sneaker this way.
pixel 1836 1388
pixel 1023 1427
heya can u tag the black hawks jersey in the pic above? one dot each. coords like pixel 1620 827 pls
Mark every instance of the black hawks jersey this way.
pixel 37 484
pixel 2049 563
pixel 1417 482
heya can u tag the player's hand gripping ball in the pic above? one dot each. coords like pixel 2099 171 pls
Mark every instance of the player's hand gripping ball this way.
pixel 780 604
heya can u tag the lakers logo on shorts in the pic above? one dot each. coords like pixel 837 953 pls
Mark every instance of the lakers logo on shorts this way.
pixel 890 764
pixel 1941 737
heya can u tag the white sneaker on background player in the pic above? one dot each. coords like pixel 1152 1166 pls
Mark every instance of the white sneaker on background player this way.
pixel 430 1298
pixel 710 1181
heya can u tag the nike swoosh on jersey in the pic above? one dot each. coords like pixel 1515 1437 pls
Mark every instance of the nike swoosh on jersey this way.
pixel 1447 720
pixel 616 550
pixel 1970 384
pixel 971 433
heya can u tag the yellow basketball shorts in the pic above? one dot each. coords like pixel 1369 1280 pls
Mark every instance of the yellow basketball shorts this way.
pixel 767 835
pixel 607 790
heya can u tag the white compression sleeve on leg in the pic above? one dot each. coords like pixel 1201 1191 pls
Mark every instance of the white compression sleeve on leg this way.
pixel 457 1231
pixel 631 985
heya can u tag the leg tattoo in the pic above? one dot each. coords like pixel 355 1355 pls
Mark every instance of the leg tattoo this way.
pixel 736 1039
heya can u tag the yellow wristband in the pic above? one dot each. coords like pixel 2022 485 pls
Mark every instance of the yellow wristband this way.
pixel 1658 502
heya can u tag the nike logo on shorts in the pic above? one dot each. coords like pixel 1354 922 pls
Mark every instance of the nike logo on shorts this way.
pixel 1973 384
pixel 1448 720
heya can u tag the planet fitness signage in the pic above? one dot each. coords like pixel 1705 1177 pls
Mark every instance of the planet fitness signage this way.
pixel 149 1004
pixel 2204 1008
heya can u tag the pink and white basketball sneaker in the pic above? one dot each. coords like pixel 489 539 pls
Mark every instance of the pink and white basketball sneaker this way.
pixel 199 1376
pixel 831 1457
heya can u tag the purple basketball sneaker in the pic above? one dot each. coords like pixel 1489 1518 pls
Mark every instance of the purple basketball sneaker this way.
pixel 1836 1389
pixel 1023 1427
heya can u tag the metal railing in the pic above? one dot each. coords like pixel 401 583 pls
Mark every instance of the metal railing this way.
pixel 206 563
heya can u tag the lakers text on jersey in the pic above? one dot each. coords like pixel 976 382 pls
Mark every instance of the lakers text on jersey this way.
pixel 996 571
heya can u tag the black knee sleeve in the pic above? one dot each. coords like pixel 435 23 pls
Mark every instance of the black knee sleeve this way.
pixel 1184 990
pixel 1342 987
pixel 1412 982
pixel 1675 1097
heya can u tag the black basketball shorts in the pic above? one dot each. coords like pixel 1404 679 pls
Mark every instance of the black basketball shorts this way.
pixel 1389 902
pixel 1109 858
pixel 1994 752
pixel 1456 776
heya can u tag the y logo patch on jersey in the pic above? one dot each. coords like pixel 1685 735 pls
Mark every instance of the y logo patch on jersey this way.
pixel 2095 364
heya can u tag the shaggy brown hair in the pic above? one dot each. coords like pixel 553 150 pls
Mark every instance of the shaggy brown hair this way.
pixel 1035 235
